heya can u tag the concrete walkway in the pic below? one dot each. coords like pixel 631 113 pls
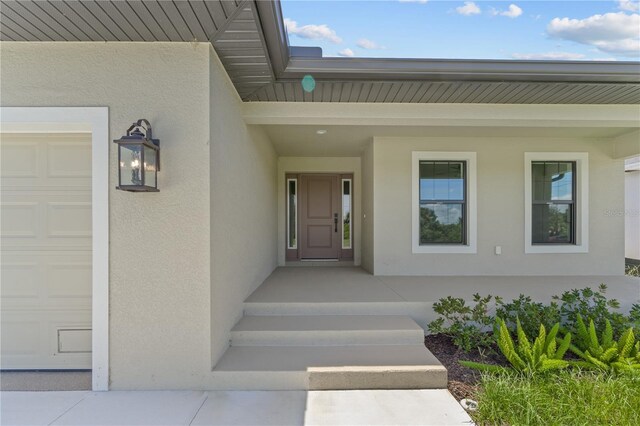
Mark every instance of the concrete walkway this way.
pixel 361 407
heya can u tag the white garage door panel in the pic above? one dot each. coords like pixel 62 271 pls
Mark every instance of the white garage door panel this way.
pixel 37 219
pixel 46 160
pixel 47 279
pixel 46 251
pixel 31 339
pixel 19 159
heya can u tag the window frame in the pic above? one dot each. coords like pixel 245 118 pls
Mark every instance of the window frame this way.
pixel 580 237
pixel 293 180
pixel 571 203
pixel 469 245
pixel 342 195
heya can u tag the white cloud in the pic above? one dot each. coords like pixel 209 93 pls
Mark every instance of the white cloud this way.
pixel 629 5
pixel 469 8
pixel 368 44
pixel 315 32
pixel 626 47
pixel 562 56
pixel 513 12
pixel 615 33
pixel 347 53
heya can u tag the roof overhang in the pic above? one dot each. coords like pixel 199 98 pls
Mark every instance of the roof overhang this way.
pixel 250 38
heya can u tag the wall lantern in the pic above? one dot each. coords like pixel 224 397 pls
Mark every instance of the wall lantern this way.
pixel 138 159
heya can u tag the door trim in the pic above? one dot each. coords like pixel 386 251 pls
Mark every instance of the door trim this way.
pixel 295 253
pixel 96 121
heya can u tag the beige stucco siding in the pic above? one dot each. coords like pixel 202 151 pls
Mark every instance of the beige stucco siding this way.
pixel 243 207
pixel 159 242
pixel 367 215
pixel 500 189
pixel 179 274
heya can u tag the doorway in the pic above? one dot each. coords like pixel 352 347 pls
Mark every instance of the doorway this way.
pixel 319 216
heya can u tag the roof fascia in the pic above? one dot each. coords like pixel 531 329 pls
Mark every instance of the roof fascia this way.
pixel 457 70
pixel 287 67
pixel 270 17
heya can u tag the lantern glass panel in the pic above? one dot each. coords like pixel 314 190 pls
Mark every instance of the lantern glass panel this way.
pixel 150 167
pixel 130 165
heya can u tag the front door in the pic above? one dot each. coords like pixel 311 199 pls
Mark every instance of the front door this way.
pixel 320 216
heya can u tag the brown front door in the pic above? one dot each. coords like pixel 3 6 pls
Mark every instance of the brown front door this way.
pixel 320 218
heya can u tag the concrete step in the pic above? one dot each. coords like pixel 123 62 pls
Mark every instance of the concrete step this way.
pixel 332 308
pixel 326 330
pixel 329 367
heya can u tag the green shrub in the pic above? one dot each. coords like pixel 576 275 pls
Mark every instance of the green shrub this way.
pixel 632 270
pixel 467 325
pixel 543 354
pixel 531 314
pixel 634 318
pixel 590 304
pixel 604 353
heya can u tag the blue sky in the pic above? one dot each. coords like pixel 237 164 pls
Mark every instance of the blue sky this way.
pixel 557 30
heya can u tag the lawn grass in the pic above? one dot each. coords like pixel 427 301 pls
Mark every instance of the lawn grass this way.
pixel 565 398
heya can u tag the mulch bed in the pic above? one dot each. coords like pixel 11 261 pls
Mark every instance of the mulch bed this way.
pixel 463 381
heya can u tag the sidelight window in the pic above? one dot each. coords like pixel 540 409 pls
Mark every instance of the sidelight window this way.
pixel 346 213
pixel 292 213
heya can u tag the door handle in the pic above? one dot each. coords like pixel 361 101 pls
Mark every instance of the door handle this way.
pixel 335 222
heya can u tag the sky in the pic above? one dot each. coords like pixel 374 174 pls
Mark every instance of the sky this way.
pixel 526 30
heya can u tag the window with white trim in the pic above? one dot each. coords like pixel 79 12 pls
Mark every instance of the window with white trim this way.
pixel 444 202
pixel 556 197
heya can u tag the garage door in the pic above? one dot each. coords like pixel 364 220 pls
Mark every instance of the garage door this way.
pixel 46 251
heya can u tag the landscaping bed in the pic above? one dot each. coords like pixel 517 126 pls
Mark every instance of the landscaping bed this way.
pixel 463 381
pixel 575 360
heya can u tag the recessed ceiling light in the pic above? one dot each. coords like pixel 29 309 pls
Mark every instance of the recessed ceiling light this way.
pixel 321 131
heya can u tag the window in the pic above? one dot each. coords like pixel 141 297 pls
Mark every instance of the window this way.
pixel 346 213
pixel 556 197
pixel 553 211
pixel 444 202
pixel 292 213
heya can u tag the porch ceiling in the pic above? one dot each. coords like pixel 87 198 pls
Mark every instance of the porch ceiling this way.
pixel 250 39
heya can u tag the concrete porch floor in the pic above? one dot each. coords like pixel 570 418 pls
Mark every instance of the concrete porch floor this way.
pixel 343 290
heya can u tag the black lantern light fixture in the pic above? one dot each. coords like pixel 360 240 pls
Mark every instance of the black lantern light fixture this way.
pixel 138 159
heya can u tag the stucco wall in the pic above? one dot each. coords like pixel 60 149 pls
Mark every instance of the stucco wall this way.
pixel 243 207
pixel 320 165
pixel 500 183
pixel 367 215
pixel 632 214
pixel 159 242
